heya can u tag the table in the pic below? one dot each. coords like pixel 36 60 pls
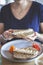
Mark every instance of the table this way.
pixel 7 62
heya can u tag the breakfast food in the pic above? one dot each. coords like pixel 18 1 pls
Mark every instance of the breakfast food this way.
pixel 36 46
pixel 23 33
pixel 11 49
pixel 24 53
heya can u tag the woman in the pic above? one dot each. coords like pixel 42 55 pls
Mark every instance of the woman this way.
pixel 21 14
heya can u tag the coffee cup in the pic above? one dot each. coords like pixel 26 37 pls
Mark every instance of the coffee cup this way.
pixel 39 60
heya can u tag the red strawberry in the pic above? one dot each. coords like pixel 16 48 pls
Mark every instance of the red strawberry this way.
pixel 36 46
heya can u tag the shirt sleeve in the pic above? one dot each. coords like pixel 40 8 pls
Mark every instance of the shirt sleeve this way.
pixel 41 13
pixel 2 13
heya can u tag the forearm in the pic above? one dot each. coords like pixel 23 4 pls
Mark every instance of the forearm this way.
pixel 39 36
pixel 41 27
pixel 1 28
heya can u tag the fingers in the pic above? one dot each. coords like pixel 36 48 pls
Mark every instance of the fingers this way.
pixel 11 30
pixel 7 34
pixel 32 37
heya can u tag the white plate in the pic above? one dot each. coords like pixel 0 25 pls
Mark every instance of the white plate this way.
pixel 19 44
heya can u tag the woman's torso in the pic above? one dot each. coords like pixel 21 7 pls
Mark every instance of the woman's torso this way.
pixel 30 20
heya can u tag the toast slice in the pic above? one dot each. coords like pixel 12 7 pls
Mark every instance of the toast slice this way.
pixel 25 53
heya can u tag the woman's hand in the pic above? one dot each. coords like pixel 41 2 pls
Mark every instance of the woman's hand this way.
pixel 8 34
pixel 36 36
pixel 39 36
pixel 32 38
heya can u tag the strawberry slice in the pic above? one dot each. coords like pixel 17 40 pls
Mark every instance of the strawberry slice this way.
pixel 36 46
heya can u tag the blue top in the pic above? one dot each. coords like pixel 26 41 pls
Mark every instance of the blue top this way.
pixel 32 19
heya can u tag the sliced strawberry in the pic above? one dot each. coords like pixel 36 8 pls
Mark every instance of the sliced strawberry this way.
pixel 36 46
